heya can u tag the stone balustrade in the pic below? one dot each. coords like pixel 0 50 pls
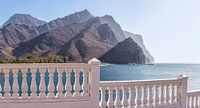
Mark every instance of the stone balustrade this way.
pixel 76 85
pixel 143 94
pixel 48 83
pixel 193 99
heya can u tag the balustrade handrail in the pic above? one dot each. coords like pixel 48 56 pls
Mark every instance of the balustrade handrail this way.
pixel 139 82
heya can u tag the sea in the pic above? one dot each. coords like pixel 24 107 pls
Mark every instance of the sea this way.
pixel 116 72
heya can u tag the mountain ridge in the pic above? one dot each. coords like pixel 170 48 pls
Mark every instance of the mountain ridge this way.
pixel 26 39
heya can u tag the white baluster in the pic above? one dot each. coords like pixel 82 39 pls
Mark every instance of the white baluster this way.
pixel 69 86
pixel 15 85
pixel 192 102
pixel 103 99
pixel 125 100
pixel 150 96
pixel 156 95
pixel 42 83
pixel 144 96
pixel 60 85
pixel 117 99
pixel 167 94
pixel 131 98
pixel 138 100
pixel 77 83
pixel 6 85
pixel 24 84
pixel 196 101
pixel 51 83
pixel 172 93
pixel 162 96
pixel 33 84
pixel 110 100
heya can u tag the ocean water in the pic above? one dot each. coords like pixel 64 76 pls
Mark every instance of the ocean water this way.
pixel 115 72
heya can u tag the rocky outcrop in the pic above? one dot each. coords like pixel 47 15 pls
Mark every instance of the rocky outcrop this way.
pixel 122 35
pixel 25 19
pixel 125 52
pixel 138 39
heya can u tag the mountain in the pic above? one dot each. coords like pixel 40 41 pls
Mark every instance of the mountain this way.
pixel 95 40
pixel 48 42
pixel 25 19
pixel 122 35
pixel 79 36
pixel 138 39
pixel 78 17
pixel 125 52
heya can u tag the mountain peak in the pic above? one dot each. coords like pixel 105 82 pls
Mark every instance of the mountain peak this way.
pixel 84 11
pixel 25 19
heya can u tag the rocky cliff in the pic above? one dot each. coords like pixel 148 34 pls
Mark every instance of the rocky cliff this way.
pixel 125 52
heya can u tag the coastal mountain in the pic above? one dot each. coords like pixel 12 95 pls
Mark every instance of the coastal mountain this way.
pixel 122 35
pixel 94 41
pixel 25 19
pixel 79 37
pixel 125 52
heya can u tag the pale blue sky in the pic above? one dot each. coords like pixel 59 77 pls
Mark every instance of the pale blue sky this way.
pixel 170 28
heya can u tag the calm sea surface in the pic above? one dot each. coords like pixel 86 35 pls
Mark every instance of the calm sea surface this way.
pixel 157 71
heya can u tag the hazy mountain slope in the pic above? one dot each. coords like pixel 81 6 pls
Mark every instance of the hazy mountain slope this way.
pixel 24 19
pixel 116 28
pixel 14 34
pixel 124 52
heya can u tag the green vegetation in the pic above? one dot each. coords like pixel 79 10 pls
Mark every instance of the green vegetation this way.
pixel 37 59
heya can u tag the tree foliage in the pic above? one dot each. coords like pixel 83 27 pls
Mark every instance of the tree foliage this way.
pixel 36 59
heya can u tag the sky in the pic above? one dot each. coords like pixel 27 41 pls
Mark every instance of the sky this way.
pixel 170 28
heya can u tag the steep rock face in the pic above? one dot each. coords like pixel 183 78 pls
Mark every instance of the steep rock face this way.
pixel 124 52
pixel 25 19
pixel 49 42
pixel 78 17
pixel 95 40
pixel 138 39
pixel 116 28
pixel 14 34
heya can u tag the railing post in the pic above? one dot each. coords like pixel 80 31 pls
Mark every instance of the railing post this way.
pixel 94 81
pixel 183 94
